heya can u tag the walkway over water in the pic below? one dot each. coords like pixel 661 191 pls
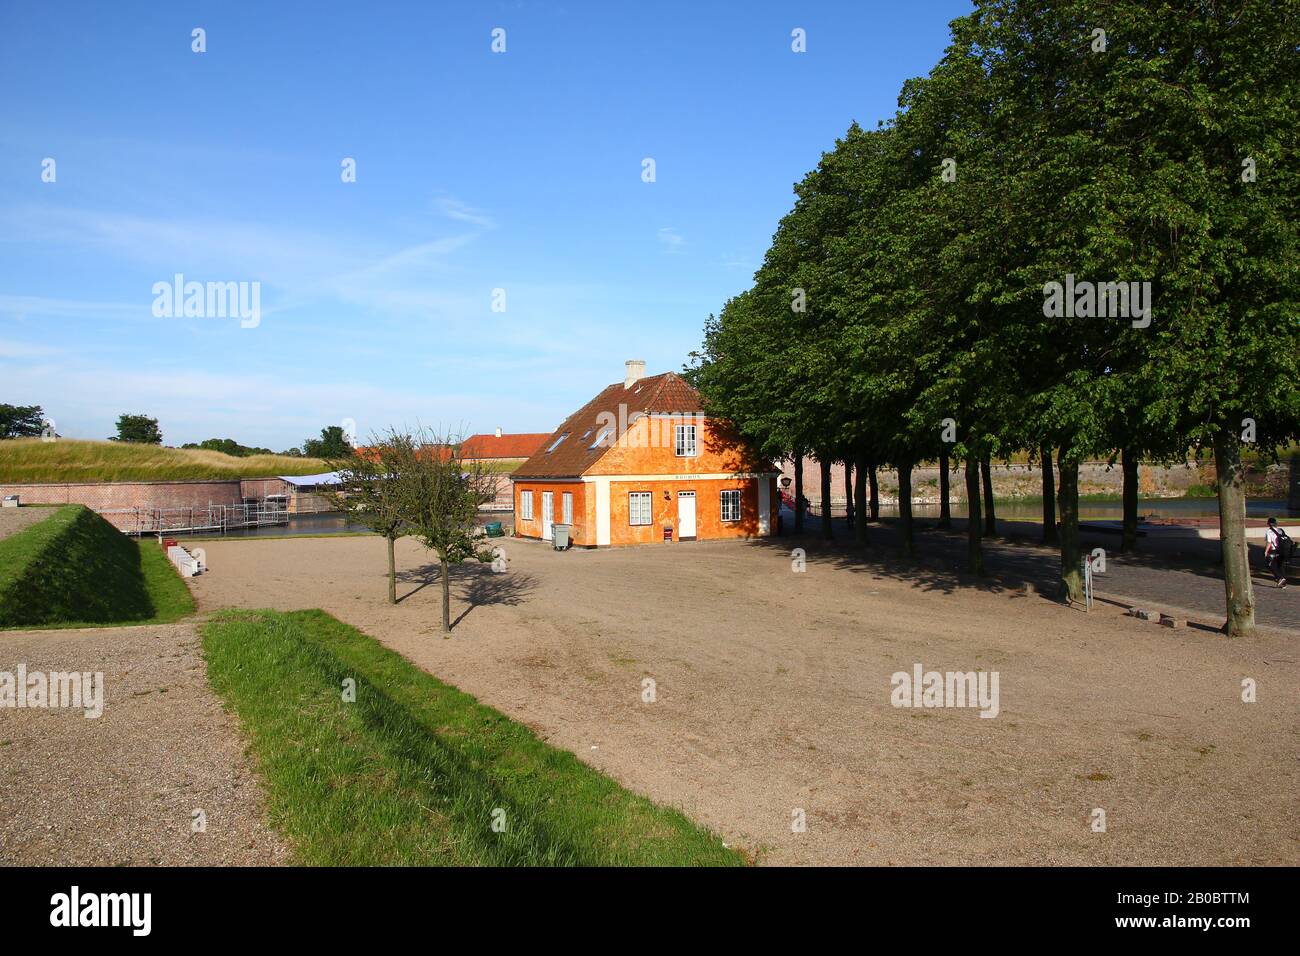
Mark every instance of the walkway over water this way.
pixel 214 518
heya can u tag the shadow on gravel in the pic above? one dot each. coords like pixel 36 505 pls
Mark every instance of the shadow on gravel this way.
pixel 1011 559
pixel 1172 570
pixel 473 584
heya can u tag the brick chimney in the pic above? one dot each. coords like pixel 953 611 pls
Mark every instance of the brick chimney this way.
pixel 635 372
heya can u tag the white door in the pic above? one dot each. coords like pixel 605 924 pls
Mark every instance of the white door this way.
pixel 548 513
pixel 685 514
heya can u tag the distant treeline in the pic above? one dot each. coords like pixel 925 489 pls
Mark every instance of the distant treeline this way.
pixel 228 446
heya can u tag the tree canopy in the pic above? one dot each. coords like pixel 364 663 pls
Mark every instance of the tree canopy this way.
pixel 1079 232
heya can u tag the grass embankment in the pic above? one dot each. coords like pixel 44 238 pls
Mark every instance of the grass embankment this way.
pixel 30 461
pixel 74 569
pixel 414 772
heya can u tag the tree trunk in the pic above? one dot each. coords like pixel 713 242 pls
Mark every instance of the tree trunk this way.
pixel 1232 536
pixel 392 573
pixel 848 492
pixel 945 509
pixel 446 597
pixel 1071 558
pixel 1049 499
pixel 990 519
pixel 860 500
pixel 798 491
pixel 905 506
pixel 1129 542
pixel 875 491
pixel 826 499
pixel 974 550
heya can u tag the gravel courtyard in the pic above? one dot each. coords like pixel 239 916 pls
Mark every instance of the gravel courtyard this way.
pixel 121 789
pixel 772 698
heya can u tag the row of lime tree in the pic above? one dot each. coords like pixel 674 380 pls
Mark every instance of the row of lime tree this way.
pixel 948 286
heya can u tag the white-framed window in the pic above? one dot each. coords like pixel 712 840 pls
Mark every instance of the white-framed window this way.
pixel 684 441
pixel 602 437
pixel 638 508
pixel 525 506
pixel 566 503
pixel 556 444
pixel 731 504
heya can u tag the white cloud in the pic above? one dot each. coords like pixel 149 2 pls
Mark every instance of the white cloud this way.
pixel 670 240
pixel 10 349
pixel 462 212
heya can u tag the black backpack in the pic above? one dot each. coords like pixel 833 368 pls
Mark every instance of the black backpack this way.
pixel 1285 546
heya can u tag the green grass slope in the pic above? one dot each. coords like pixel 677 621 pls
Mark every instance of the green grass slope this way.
pixel 76 569
pixel 32 461
pixel 414 772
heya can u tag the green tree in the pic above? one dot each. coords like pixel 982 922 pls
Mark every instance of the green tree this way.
pixel 441 495
pixel 372 491
pixel 21 421
pixel 332 444
pixel 228 446
pixel 138 428
pixel 1215 102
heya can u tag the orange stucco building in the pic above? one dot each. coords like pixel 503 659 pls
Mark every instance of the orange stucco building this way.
pixel 642 463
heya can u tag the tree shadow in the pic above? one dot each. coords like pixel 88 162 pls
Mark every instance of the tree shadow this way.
pixel 472 584
pixel 939 562
pixel 1016 558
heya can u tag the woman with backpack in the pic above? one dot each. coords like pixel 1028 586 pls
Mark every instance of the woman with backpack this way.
pixel 1278 549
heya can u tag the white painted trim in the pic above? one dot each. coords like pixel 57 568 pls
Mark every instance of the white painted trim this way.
pixel 764 506
pixel 602 510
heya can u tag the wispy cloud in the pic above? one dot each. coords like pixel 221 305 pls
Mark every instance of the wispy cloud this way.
pixel 462 212
pixel 13 350
pixel 295 266
pixel 672 242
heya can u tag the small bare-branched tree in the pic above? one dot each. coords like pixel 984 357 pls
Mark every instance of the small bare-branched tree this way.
pixel 370 491
pixel 442 494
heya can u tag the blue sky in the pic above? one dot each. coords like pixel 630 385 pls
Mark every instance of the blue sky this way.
pixel 476 171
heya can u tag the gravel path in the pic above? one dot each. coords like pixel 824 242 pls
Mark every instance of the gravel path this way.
pixel 121 789
pixel 773 697
pixel 13 520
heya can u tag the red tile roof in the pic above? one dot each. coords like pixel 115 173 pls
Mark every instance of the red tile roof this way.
pixel 657 394
pixel 503 446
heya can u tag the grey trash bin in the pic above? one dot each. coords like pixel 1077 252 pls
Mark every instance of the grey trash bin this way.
pixel 560 535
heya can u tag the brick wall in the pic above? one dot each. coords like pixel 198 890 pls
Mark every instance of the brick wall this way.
pixel 108 496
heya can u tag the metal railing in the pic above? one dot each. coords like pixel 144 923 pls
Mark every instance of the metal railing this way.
pixel 218 518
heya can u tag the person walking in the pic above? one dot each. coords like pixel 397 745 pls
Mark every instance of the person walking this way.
pixel 1278 549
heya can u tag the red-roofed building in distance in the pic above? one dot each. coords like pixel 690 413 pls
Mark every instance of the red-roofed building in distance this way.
pixel 503 454
pixel 502 448
pixel 643 462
